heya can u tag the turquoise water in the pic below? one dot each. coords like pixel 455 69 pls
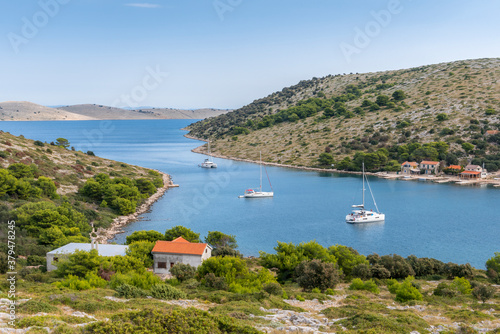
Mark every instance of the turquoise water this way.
pixel 447 222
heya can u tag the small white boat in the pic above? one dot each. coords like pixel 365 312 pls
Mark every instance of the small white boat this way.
pixel 361 215
pixel 251 193
pixel 208 163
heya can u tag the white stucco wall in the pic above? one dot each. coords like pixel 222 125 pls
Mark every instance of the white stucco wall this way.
pixel 193 260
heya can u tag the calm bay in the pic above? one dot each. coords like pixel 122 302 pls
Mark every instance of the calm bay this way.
pixel 444 221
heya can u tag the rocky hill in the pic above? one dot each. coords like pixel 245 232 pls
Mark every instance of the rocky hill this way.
pixel 27 111
pixel 455 102
pixel 105 112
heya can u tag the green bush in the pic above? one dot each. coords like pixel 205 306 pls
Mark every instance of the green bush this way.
pixel 36 306
pixel 462 285
pixel 358 284
pixel 483 292
pixel 145 280
pixel 167 292
pixel 317 274
pixel 183 271
pixel 130 291
pixel 90 281
pixel 406 291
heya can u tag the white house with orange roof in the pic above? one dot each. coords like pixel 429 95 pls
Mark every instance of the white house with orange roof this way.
pixel 429 167
pixel 167 253
pixel 474 172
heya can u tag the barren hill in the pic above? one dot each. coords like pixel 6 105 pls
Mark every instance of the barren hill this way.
pixel 454 102
pixel 27 111
pixel 105 112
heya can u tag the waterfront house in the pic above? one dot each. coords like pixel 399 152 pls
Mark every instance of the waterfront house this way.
pixel 453 169
pixel 167 253
pixel 63 252
pixel 474 172
pixel 429 167
pixel 409 167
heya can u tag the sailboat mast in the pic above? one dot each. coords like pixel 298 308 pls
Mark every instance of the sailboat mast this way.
pixel 260 154
pixel 363 185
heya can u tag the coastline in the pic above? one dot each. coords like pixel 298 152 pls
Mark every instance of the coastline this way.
pixel 384 175
pixel 104 235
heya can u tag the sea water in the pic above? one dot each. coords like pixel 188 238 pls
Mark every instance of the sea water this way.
pixel 444 221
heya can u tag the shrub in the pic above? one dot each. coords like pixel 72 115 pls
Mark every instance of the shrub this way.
pixel 130 291
pixel 36 306
pixel 483 292
pixel 358 284
pixel 167 292
pixel 39 143
pixel 442 117
pixel 212 281
pixel 183 271
pixel 273 289
pixel 141 280
pixel 181 231
pixel 362 271
pixel 406 291
pixel 462 285
pixel 90 281
pixel 443 289
pixel 317 274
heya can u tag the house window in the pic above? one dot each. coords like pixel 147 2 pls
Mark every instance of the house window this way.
pixel 206 250
pixel 55 259
pixel 172 264
pixel 162 265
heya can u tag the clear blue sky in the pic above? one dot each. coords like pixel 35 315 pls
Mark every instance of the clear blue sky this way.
pixel 222 53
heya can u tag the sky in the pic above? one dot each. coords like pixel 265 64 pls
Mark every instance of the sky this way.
pixel 222 53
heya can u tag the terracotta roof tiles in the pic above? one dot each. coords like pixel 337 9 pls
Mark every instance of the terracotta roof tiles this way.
pixel 179 246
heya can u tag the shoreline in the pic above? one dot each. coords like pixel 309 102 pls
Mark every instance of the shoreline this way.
pixel 383 175
pixel 105 235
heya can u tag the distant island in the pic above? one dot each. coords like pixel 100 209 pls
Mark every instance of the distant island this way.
pixel 28 111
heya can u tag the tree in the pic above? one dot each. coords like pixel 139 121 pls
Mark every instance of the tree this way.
pixel 483 292
pixel 382 100
pixel 399 95
pixel 151 236
pixel 468 147
pixel 442 117
pixel 62 142
pixel 325 159
pixel 145 186
pixel 406 291
pixel 183 271
pixel 7 182
pixel 218 239
pixel 79 263
pixel 123 206
pixel 317 274
pixel 347 258
pixel 141 250
pixel 181 231
pixel 19 170
pixel 48 186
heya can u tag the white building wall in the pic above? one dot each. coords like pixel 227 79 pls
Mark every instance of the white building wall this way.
pixel 193 260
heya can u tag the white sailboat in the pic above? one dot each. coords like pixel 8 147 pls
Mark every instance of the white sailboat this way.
pixel 362 215
pixel 208 163
pixel 252 193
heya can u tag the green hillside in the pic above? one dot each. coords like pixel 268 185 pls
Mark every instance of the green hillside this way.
pixel 391 114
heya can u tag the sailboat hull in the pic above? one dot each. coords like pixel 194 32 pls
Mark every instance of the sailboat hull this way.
pixel 259 194
pixel 367 217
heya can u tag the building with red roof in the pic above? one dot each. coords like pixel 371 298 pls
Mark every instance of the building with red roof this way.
pixel 474 172
pixel 410 167
pixel 167 253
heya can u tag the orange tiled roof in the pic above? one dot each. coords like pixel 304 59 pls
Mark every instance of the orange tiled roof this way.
pixel 429 162
pixel 455 167
pixel 179 246
pixel 473 172
pixel 409 163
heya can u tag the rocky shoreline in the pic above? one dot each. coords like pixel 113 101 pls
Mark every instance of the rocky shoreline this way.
pixel 385 175
pixel 104 235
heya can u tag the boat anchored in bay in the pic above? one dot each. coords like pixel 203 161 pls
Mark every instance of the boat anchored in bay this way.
pixel 208 163
pixel 251 193
pixel 362 215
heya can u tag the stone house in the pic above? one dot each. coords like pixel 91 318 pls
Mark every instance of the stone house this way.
pixel 408 168
pixel 167 253
pixel 429 167
pixel 63 252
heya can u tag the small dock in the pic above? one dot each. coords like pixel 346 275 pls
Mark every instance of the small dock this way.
pixel 442 180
